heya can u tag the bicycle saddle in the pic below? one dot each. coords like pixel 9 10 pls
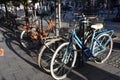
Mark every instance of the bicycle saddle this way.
pixel 97 26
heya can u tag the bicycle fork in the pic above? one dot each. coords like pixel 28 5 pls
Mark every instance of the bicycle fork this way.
pixel 67 54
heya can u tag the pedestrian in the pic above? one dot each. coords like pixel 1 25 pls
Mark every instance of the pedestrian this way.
pixel 1 52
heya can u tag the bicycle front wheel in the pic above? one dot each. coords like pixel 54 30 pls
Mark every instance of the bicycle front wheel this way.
pixel 46 53
pixel 63 60
pixel 102 48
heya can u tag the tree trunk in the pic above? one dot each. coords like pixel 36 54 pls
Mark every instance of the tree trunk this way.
pixel 6 9
pixel 26 15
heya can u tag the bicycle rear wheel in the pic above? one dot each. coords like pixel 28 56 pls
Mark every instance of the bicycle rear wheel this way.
pixel 26 41
pixel 46 53
pixel 63 60
pixel 102 48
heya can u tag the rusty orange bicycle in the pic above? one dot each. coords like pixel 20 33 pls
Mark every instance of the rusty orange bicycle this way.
pixel 32 34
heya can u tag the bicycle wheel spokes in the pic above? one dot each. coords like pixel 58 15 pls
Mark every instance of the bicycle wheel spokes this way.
pixel 46 58
pixel 62 61
pixel 62 69
pixel 60 65
pixel 103 49
pixel 46 54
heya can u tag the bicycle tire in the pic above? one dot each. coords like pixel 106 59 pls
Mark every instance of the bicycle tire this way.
pixel 26 41
pixel 108 47
pixel 45 54
pixel 60 55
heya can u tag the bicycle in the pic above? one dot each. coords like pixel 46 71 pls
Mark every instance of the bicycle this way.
pixel 65 55
pixel 31 34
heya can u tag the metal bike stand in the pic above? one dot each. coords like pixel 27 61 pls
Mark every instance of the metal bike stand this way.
pixel 81 32
pixel 84 27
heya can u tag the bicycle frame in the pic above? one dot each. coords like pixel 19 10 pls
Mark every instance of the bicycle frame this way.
pixel 37 33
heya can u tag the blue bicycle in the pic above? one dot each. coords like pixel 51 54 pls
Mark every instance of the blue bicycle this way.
pixel 99 49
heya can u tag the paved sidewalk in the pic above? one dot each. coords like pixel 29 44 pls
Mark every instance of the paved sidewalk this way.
pixel 19 64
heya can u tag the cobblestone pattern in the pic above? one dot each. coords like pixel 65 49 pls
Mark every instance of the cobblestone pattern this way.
pixel 114 59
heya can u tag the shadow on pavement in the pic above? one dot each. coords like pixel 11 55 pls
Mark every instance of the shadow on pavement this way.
pixel 90 72
pixel 116 45
pixel 24 56
pixel 85 72
pixel 12 42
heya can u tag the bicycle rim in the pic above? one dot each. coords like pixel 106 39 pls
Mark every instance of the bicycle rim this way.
pixel 26 41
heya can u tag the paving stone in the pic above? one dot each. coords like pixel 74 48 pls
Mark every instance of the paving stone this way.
pixel 40 76
pixel 3 65
pixel 114 60
pixel 20 76
pixel 9 77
